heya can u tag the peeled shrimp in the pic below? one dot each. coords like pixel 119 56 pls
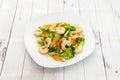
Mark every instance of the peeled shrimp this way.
pixel 65 44
pixel 37 32
pixel 79 29
pixel 78 49
pixel 44 49
pixel 60 30
pixel 81 36
pixel 62 24
pixel 52 27
pixel 48 42
pixel 74 34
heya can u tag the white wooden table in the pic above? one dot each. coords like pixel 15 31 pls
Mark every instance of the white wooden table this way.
pixel 103 17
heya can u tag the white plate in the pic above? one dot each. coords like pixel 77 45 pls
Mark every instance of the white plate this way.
pixel 46 61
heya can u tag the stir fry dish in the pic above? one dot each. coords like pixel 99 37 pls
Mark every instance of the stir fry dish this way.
pixel 62 41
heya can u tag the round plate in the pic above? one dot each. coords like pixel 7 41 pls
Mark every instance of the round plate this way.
pixel 46 61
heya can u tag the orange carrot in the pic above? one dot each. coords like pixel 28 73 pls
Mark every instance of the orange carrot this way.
pixel 44 35
pixel 57 58
pixel 54 41
pixel 73 41
pixel 59 46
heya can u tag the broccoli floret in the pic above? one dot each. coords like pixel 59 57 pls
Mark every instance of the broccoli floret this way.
pixel 40 41
pixel 51 53
pixel 52 35
pixel 81 41
pixel 54 48
pixel 72 28
pixel 66 35
pixel 68 54
pixel 44 29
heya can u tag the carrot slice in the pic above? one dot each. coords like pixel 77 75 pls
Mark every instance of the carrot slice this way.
pixel 73 41
pixel 57 58
pixel 59 46
pixel 54 41
pixel 44 35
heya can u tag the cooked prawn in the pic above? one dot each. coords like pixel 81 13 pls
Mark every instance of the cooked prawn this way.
pixel 74 34
pixel 44 49
pixel 48 42
pixel 62 24
pixel 65 44
pixel 78 49
pixel 60 30
pixel 37 32
pixel 81 36
pixel 52 27
pixel 79 29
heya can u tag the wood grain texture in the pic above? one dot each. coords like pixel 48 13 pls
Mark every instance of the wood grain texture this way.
pixel 40 8
pixel 93 65
pixel 31 70
pixel 109 38
pixel 102 16
pixel 7 15
pixel 71 6
pixel 16 50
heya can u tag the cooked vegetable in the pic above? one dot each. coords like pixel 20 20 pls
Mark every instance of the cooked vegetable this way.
pixel 60 40
pixel 54 41
pixel 72 28
pixel 61 51
pixel 59 46
pixel 53 49
pixel 44 35
pixel 57 24
pixel 67 54
pixel 40 41
pixel 57 58
pixel 52 35
pixel 72 47
pixel 66 35
pixel 81 41
pixel 51 53
pixel 73 41
pixel 44 29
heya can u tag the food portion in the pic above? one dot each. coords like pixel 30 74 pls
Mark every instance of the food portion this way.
pixel 60 40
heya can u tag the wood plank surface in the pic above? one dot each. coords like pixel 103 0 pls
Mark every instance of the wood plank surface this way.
pixel 109 39
pixel 7 15
pixel 102 16
pixel 12 68
pixel 94 64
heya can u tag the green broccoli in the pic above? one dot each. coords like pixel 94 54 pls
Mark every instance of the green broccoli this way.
pixel 72 28
pixel 66 35
pixel 44 29
pixel 52 35
pixel 51 53
pixel 67 54
pixel 40 41
pixel 52 50
pixel 81 41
